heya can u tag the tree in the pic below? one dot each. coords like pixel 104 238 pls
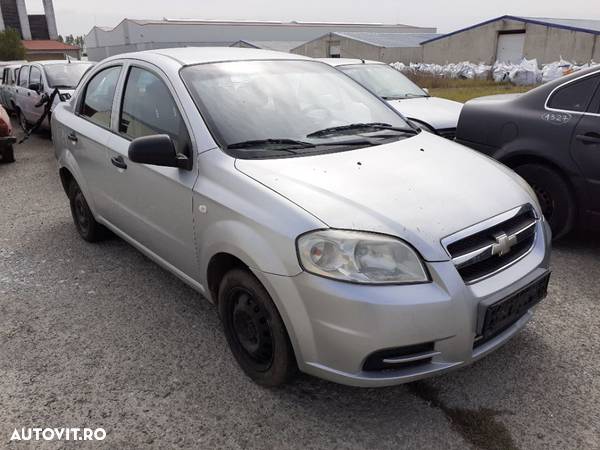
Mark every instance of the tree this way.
pixel 60 38
pixel 11 47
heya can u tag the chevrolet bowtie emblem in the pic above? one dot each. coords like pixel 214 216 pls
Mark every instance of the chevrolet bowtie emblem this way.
pixel 503 244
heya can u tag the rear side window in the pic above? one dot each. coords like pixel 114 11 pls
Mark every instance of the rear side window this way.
pixel 99 95
pixel 575 96
pixel 24 76
pixel 148 108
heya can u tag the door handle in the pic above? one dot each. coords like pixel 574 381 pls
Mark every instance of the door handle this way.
pixel 72 136
pixel 119 162
pixel 589 138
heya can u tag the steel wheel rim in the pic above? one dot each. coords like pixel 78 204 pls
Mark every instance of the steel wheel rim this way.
pixel 251 328
pixel 81 213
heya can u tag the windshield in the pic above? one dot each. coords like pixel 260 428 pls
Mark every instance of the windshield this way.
pixel 296 106
pixel 66 75
pixel 383 80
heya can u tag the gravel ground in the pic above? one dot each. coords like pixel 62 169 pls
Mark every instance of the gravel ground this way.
pixel 99 336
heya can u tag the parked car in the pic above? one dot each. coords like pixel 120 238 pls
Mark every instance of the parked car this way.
pixel 435 114
pixel 42 78
pixel 8 86
pixel 332 235
pixel 7 154
pixel 551 137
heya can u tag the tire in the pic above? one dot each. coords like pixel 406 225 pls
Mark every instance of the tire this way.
pixel 7 154
pixel 86 225
pixel 255 331
pixel 555 197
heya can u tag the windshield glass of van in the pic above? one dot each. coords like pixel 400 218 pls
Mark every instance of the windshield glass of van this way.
pixel 383 80
pixel 286 104
pixel 66 75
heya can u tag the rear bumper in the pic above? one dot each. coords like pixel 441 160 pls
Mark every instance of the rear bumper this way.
pixel 335 326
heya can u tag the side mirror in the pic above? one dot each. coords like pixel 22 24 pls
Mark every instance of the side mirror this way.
pixel 426 90
pixel 37 87
pixel 158 150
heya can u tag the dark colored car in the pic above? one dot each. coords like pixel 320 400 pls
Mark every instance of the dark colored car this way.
pixel 551 137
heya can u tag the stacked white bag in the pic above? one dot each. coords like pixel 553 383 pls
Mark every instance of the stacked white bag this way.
pixel 527 72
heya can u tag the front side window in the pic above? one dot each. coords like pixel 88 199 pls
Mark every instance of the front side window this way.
pixel 270 104
pixel 67 75
pixel 383 80
pixel 99 95
pixel 575 96
pixel 35 77
pixel 148 109
pixel 24 76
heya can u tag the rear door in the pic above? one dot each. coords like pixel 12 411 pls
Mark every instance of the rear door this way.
pixel 86 133
pixel 585 146
pixel 152 204
pixel 22 89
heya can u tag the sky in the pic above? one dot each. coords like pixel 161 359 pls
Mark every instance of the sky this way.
pixel 79 16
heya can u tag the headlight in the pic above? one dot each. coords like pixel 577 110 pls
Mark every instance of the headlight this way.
pixel 360 257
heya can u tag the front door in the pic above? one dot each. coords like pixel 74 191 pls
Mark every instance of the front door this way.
pixel 34 95
pixel 152 204
pixel 585 149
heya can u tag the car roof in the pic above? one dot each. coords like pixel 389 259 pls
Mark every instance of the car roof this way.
pixel 336 62
pixel 185 56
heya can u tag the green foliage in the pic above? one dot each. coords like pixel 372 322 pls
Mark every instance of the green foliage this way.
pixel 11 47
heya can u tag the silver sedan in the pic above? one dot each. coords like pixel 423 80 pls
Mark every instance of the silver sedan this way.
pixel 333 236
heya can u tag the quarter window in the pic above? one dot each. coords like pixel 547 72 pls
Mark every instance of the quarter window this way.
pixel 24 76
pixel 99 96
pixel 575 96
pixel 149 109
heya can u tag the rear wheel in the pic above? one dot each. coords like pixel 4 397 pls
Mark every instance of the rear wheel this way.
pixel 254 329
pixel 554 195
pixel 86 225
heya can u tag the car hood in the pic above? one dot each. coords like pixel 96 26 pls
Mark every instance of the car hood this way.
pixel 438 113
pixel 420 189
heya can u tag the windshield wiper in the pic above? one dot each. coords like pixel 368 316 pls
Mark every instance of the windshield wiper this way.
pixel 271 144
pixel 358 126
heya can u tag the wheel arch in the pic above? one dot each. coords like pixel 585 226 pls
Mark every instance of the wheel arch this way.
pixel 66 177
pixel 217 267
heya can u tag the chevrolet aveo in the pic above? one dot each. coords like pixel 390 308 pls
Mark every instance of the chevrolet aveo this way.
pixel 333 237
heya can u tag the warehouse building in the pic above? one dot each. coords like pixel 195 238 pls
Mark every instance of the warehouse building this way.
pixel 385 47
pixel 511 38
pixel 134 35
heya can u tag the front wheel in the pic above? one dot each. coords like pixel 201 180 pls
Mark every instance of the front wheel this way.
pixel 254 330
pixel 554 195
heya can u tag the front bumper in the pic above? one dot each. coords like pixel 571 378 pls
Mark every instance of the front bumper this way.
pixel 335 326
